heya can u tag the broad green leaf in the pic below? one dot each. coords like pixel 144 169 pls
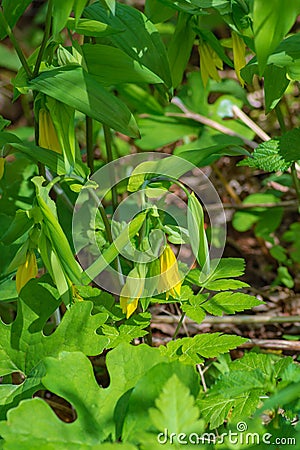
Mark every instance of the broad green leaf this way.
pixel 139 99
pixel 140 39
pixel 48 432
pixel 168 409
pixel 110 65
pixel 92 28
pixel 51 159
pixel 267 156
pixel 224 268
pixel 271 22
pixel 288 146
pixel 80 90
pixel 215 410
pixel 146 392
pixel 113 250
pixel 60 13
pixel 71 376
pixel 209 147
pixel 275 85
pixel 23 345
pixel 21 223
pixel 111 4
pixel 78 9
pixel 157 131
pixel 194 350
pixel 197 233
pixel 229 303
pixel 157 12
pixel 12 12
pixel 180 47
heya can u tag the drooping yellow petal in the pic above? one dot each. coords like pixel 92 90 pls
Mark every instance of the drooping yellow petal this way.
pixel 47 133
pixel 209 63
pixel 131 292
pixel 26 271
pixel 239 59
pixel 170 280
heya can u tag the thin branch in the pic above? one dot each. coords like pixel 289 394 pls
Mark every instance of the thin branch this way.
pixel 44 41
pixel 89 143
pixel 206 121
pixel 234 320
pixel 275 344
pixel 239 114
pixel 288 204
pixel 108 144
pixel 13 40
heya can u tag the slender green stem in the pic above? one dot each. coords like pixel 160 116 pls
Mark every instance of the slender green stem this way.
pixel 89 143
pixel 296 182
pixel 280 118
pixel 174 180
pixel 108 144
pixel 13 40
pixel 44 41
pixel 178 326
pixel 293 166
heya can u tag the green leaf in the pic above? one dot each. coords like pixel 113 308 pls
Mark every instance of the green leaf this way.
pixel 80 90
pixel 275 85
pixel 12 12
pixel 157 131
pixel 225 285
pixel 92 28
pixel 123 334
pixel 140 40
pixel 71 377
pixel 168 410
pixel 110 65
pixel 60 13
pixel 289 145
pixel 194 350
pixel 229 303
pixel 197 233
pixel 215 410
pixel 157 12
pixel 194 307
pixel 79 6
pixel 143 396
pixel 180 47
pixel 140 99
pixel 21 223
pixel 54 232
pixel 224 268
pixel 267 157
pixel 113 250
pixel 271 22
pixel 23 344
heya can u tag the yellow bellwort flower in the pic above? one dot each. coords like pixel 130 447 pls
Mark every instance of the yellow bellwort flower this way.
pixel 47 132
pixel 239 48
pixel 170 280
pixel 131 292
pixel 26 271
pixel 209 63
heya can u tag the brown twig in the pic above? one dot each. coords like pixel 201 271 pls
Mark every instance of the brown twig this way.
pixel 234 320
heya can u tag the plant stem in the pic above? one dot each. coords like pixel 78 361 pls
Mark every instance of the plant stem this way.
pixel 178 326
pixel 293 166
pixel 108 144
pixel 296 182
pixel 13 40
pixel 44 41
pixel 89 143
pixel 280 118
